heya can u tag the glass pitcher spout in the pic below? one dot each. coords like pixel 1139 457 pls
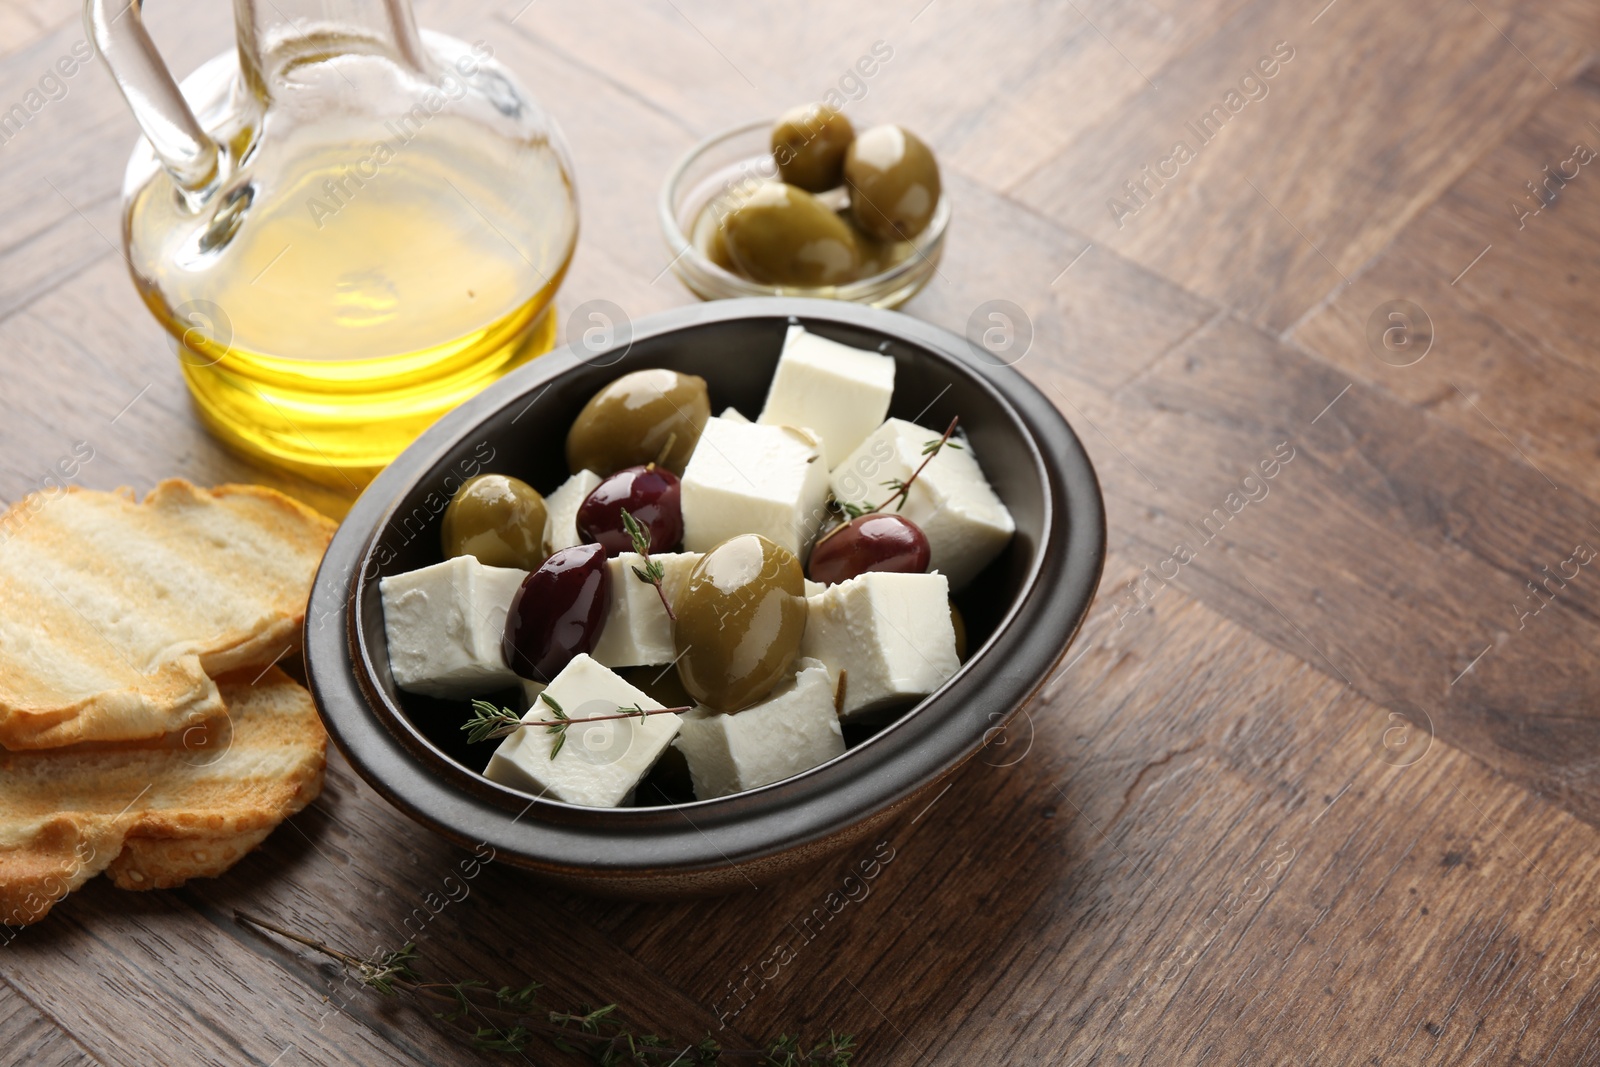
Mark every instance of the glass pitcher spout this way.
pixel 349 225
pixel 277 34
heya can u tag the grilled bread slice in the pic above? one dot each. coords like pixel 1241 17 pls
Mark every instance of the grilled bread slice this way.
pixel 115 615
pixel 154 813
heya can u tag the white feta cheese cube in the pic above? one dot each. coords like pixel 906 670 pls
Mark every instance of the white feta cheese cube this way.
pixel 733 414
pixel 966 524
pixel 561 528
pixel 599 763
pixel 637 632
pixel 748 478
pixel 840 393
pixel 444 626
pixel 889 634
pixel 792 730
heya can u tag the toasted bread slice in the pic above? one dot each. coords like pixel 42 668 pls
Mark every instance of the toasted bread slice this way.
pixel 115 615
pixel 154 813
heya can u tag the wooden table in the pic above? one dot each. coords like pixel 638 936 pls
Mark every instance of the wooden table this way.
pixel 1322 788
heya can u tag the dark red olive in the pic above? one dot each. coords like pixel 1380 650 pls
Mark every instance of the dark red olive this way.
pixel 876 542
pixel 650 493
pixel 557 612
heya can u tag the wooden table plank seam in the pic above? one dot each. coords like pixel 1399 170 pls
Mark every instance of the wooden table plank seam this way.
pixel 1318 359
pixel 364 1008
pixel 50 1021
pixel 536 40
pixel 349 786
pixel 210 1025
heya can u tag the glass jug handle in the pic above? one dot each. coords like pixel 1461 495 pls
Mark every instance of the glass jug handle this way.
pixel 117 29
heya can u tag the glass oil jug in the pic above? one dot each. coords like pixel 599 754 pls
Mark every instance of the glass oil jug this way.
pixel 349 225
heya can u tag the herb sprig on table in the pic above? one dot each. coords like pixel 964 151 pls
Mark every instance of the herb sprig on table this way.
pixel 515 1019
pixel 902 489
pixel 489 721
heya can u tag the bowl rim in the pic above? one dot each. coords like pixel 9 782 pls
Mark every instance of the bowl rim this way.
pixel 927 246
pixel 945 729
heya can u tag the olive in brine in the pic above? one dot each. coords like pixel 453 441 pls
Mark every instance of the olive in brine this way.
pixel 808 145
pixel 716 249
pixel 960 625
pixel 651 494
pixel 780 235
pixel 649 416
pixel 894 183
pixel 498 520
pixel 873 542
pixel 739 622
pixel 557 612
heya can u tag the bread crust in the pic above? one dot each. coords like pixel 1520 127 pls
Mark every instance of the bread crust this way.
pixel 152 814
pixel 115 614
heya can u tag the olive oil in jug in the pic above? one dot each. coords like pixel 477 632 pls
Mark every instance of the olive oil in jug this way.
pixel 364 226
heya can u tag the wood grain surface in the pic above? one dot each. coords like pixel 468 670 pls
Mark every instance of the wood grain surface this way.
pixel 1328 795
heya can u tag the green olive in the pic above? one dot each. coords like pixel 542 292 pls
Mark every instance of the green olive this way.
pixel 960 625
pixel 877 256
pixel 707 236
pixel 808 144
pixel 649 416
pixel 499 520
pixel 780 235
pixel 716 250
pixel 894 183
pixel 739 622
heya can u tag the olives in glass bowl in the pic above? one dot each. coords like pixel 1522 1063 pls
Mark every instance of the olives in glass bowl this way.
pixel 796 252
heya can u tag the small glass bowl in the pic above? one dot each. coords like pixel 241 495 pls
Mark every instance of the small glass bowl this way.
pixel 743 154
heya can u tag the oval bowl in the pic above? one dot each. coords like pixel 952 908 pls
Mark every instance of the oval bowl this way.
pixel 1022 612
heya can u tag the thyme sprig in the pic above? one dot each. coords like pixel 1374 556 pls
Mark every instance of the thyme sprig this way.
pixel 901 490
pixel 515 1019
pixel 652 573
pixel 490 722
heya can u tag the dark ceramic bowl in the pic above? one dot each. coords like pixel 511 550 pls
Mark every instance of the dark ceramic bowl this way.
pixel 1021 613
